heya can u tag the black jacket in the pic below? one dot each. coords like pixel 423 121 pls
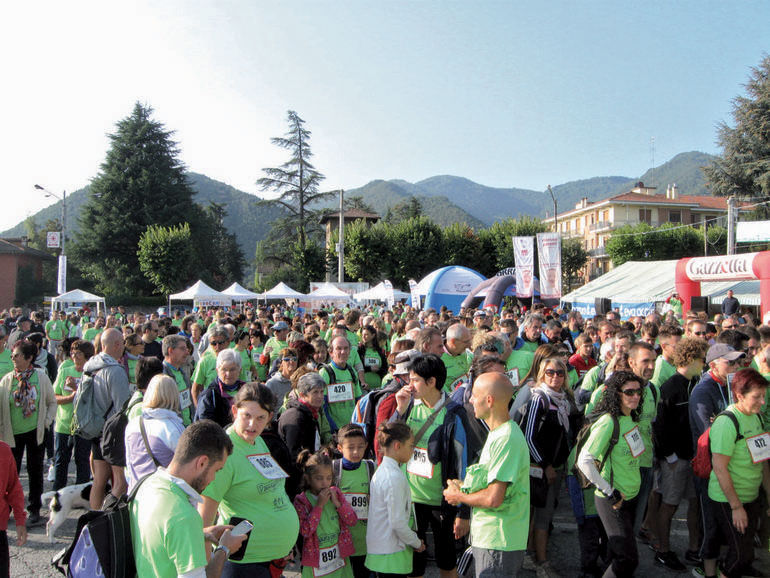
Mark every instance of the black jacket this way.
pixel 671 428
pixel 298 428
pixel 212 405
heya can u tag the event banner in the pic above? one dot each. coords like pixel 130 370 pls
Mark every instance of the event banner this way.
pixel 61 279
pixel 390 298
pixel 524 258
pixel 549 256
pixel 415 294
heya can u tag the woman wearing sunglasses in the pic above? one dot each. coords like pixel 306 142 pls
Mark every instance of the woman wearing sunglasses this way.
pixel 280 382
pixel 618 482
pixel 547 431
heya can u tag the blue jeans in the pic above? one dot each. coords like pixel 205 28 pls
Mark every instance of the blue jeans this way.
pixel 64 447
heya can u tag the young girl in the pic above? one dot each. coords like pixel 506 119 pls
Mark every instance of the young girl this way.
pixel 325 519
pixel 390 537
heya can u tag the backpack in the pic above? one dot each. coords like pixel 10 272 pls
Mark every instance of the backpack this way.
pixel 337 470
pixel 102 545
pixel 87 420
pixel 365 412
pixel 580 441
pixel 701 463
pixel 113 442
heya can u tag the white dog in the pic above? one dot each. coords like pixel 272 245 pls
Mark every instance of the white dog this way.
pixel 62 503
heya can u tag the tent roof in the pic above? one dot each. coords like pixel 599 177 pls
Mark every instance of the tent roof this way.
pixel 78 296
pixel 454 280
pixel 646 281
pixel 379 293
pixel 327 291
pixel 238 292
pixel 199 291
pixel 282 291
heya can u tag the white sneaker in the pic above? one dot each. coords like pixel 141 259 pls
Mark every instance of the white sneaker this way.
pixel 51 473
pixel 545 570
pixel 529 563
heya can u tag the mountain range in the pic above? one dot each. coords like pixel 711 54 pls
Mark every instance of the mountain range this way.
pixel 445 199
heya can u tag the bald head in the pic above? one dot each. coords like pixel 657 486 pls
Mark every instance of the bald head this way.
pixel 496 385
pixel 112 342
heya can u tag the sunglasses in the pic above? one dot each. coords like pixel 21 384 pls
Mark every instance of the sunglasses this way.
pixel 289 359
pixel 554 372
pixel 631 392
pixel 217 342
pixel 699 333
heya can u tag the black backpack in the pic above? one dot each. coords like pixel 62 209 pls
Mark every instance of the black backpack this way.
pixel 102 545
pixel 113 444
pixel 580 441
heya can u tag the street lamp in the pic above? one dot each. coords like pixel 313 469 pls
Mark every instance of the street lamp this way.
pixel 62 284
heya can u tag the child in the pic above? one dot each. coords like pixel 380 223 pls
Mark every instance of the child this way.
pixel 11 498
pixel 583 359
pixel 325 519
pixel 353 481
pixel 390 536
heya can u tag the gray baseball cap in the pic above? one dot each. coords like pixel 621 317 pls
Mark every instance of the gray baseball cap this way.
pixel 723 351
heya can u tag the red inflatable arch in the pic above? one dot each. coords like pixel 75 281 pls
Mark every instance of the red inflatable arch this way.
pixel 692 270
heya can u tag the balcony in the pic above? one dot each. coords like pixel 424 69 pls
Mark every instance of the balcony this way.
pixel 600 226
pixel 598 253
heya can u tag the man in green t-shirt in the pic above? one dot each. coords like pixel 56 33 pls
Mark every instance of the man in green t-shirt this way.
pixel 456 356
pixel 277 342
pixel 167 532
pixel 668 337
pixel 343 388
pixel 55 331
pixel 498 486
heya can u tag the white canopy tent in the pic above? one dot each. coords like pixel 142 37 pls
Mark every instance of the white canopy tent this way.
pixel 77 296
pixel 282 291
pixel 645 282
pixel 240 293
pixel 380 293
pixel 328 292
pixel 202 295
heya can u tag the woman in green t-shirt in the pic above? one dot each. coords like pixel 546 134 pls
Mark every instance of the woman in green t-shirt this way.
pixel 740 466
pixel 618 481
pixel 374 358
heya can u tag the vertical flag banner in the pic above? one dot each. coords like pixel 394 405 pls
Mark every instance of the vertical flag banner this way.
pixel 549 255
pixel 61 279
pixel 524 258
pixel 390 298
pixel 415 296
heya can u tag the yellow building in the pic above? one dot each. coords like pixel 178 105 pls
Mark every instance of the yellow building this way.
pixel 594 222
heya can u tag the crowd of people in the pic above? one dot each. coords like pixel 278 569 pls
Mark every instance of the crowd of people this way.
pixel 348 436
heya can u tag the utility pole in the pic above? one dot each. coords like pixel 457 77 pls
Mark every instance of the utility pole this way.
pixel 341 244
pixel 731 225
pixel 555 212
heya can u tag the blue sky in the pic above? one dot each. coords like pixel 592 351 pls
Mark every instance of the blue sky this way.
pixel 507 94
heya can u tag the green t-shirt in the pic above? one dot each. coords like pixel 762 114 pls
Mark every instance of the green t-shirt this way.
pixel 185 396
pixel 518 364
pixel 504 458
pixel 55 329
pixel 132 370
pixel 354 485
pixel 456 367
pixel 649 412
pixel 19 423
pixel 372 359
pixel 6 365
pixel 746 475
pixel 341 393
pixel 256 352
pixel 424 477
pixel 245 365
pixel 176 322
pixel 530 346
pixel 275 347
pixel 328 532
pixel 206 370
pixel 591 378
pixel 663 371
pixel 90 334
pixel 64 410
pixel 252 485
pixel 621 467
pixel 166 530
pixel 135 405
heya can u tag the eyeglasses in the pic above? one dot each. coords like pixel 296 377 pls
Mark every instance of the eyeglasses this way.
pixel 217 342
pixel 728 326
pixel 554 372
pixel 289 359
pixel 631 392
pixel 699 333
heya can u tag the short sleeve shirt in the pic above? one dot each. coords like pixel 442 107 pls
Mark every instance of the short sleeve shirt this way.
pixel 64 411
pixel 504 458
pixel 621 466
pixel 206 370
pixel 456 367
pixel 426 484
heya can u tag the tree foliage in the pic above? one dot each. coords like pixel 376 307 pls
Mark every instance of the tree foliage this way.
pixel 497 241
pixel 744 166
pixel 643 242
pixel 357 202
pixel 166 257
pixel 573 258
pixel 410 208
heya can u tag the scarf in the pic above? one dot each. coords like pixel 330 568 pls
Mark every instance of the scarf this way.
pixel 26 396
pixel 227 391
pixel 347 465
pixel 313 410
pixel 558 399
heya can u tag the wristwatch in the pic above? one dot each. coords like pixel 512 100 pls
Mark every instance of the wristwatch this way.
pixel 224 549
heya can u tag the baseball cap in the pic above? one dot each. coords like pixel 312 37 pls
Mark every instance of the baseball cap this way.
pixel 23 318
pixel 723 351
pixel 280 326
pixel 404 359
pixel 480 313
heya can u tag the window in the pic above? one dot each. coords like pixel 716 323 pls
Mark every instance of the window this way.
pixel 674 216
pixel 645 216
pixel 606 216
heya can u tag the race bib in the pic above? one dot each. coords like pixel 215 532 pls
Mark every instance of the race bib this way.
pixel 759 447
pixel 513 375
pixel 419 464
pixel 360 504
pixel 267 466
pixel 373 362
pixel 635 442
pixel 459 382
pixel 536 472
pixel 339 392
pixel 185 399
pixel 329 560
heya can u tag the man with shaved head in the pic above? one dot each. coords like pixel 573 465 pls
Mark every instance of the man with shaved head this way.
pixel 111 391
pixel 498 487
pixel 456 356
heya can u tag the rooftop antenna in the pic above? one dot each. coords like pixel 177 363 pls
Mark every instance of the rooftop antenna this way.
pixel 652 160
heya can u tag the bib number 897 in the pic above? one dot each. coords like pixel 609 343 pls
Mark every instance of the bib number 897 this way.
pixel 328 555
